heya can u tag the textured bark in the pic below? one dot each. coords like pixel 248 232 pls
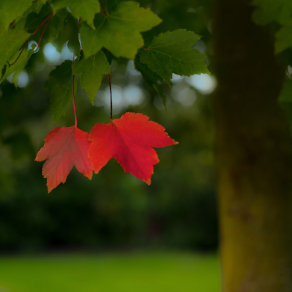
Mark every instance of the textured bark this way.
pixel 253 155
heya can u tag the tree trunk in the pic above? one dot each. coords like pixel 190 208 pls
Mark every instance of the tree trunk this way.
pixel 253 155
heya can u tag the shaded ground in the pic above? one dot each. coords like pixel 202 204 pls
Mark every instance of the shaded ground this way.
pixel 135 272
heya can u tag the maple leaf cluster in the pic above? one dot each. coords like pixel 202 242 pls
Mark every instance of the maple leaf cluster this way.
pixel 129 139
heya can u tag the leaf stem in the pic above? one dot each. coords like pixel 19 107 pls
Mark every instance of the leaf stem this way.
pixel 42 34
pixel 12 24
pixel 73 97
pixel 111 96
pixel 103 9
pixel 47 19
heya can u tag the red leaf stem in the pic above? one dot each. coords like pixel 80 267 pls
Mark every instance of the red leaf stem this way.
pixel 111 97
pixel 48 18
pixel 73 98
pixel 42 34
pixel 103 9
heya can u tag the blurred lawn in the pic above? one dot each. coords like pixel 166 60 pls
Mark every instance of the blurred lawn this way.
pixel 133 272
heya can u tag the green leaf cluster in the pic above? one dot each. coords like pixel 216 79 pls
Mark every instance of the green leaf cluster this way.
pixel 280 11
pixel 95 33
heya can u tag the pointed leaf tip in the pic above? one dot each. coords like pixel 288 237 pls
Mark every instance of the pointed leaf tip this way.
pixel 130 140
pixel 64 148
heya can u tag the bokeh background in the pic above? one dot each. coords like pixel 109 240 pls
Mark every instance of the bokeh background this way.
pixel 114 233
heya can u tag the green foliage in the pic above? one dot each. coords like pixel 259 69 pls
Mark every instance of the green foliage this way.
pixel 10 10
pixel 35 18
pixel 285 100
pixel 116 212
pixel 86 9
pixel 284 37
pixel 115 28
pixel 18 66
pixel 56 26
pixel 119 31
pixel 270 10
pixel 59 84
pixel 35 7
pixel 285 95
pixel 150 78
pixel 13 40
pixel 92 70
pixel 69 33
pixel 279 11
pixel 172 52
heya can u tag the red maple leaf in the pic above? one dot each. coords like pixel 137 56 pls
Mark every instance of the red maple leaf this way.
pixel 129 140
pixel 64 148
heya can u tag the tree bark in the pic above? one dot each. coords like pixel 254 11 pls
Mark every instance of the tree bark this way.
pixel 253 155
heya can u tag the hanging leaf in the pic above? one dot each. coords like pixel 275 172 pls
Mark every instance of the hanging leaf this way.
pixel 18 66
pixel 86 9
pixel 268 11
pixel 119 31
pixel 92 70
pixel 13 39
pixel 172 52
pixel 152 79
pixel 64 148
pixel 284 37
pixel 10 10
pixel 69 33
pixel 59 84
pixel 129 140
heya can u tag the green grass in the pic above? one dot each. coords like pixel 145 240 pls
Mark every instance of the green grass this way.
pixel 134 272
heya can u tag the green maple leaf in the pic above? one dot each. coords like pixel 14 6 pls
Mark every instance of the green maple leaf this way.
pixel 119 31
pixel 86 9
pixel 151 78
pixel 10 10
pixel 13 39
pixel 69 33
pixel 18 66
pixel 59 84
pixel 34 8
pixel 111 5
pixel 34 19
pixel 272 10
pixel 172 52
pixel 92 70
pixel 285 100
pixel 110 57
pixel 285 95
pixel 284 37
pixel 54 27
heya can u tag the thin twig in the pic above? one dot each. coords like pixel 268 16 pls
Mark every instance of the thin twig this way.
pixel 24 46
pixel 111 97
pixel 42 34
pixel 73 97
pixel 12 24
pixel 103 9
